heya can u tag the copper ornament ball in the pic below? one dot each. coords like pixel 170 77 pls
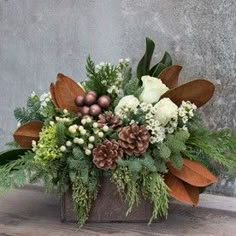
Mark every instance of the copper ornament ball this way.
pixel 93 93
pixel 85 110
pixel 95 110
pixel 104 101
pixel 89 99
pixel 79 101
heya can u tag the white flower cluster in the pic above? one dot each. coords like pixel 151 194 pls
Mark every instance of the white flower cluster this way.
pixel 160 118
pixel 99 66
pixel 186 112
pixel 116 87
pixel 86 135
pixel 44 99
pixel 157 131
pixel 126 104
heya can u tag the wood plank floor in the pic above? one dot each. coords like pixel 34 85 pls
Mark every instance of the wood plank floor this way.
pixel 29 212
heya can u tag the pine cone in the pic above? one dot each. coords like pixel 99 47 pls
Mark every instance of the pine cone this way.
pixel 134 139
pixel 109 119
pixel 106 154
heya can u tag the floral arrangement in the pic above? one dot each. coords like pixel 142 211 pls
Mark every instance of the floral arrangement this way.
pixel 140 129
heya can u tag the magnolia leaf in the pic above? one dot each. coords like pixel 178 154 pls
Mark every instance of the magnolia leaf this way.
pixel 198 91
pixel 144 64
pixel 53 96
pixel 11 155
pixel 166 61
pixel 28 132
pixel 193 173
pixel 170 76
pixel 160 67
pixel 181 191
pixel 66 90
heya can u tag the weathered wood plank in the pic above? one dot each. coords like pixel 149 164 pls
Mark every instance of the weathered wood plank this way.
pixel 29 212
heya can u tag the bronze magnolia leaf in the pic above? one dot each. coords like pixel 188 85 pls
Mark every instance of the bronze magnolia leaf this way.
pixel 66 90
pixel 28 132
pixel 198 91
pixel 181 191
pixel 170 76
pixel 53 96
pixel 193 173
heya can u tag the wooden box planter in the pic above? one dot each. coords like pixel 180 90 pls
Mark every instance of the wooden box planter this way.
pixel 109 207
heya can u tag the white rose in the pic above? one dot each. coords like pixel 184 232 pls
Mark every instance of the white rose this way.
pixel 153 88
pixel 165 110
pixel 129 101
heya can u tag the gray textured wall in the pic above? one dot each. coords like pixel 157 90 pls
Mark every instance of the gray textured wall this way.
pixel 39 38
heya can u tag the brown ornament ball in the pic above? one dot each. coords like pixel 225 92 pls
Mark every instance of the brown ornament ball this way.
pixel 93 93
pixel 104 101
pixel 85 110
pixel 95 110
pixel 89 99
pixel 79 101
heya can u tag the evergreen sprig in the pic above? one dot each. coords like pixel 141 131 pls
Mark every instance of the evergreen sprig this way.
pixel 100 80
pixel 127 185
pixel 155 189
pixel 30 112
pixel 84 178
pixel 15 173
pixel 171 150
pixel 218 147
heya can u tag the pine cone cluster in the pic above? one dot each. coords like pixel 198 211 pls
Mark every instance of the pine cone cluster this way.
pixel 134 139
pixel 109 119
pixel 106 154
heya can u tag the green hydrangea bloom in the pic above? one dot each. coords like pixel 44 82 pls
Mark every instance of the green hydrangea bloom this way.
pixel 47 149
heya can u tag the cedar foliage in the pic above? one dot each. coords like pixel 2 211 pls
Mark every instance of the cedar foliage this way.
pixel 171 150
pixel 15 173
pixel 30 112
pixel 100 80
pixel 215 148
pixel 155 189
pixel 85 183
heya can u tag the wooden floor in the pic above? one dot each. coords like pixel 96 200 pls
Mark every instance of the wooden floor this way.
pixel 29 212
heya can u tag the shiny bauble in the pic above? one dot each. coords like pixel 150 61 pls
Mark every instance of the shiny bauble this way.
pixel 104 101
pixel 93 93
pixel 79 101
pixel 95 110
pixel 89 99
pixel 85 110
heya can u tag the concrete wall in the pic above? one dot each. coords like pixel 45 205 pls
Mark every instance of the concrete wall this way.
pixel 39 38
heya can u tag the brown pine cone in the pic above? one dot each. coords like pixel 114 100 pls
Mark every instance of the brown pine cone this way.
pixel 109 119
pixel 106 154
pixel 134 139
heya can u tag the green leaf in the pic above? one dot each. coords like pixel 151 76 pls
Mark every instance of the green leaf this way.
pixel 135 166
pixel 11 155
pixel 166 60
pixel 127 76
pixel 160 67
pixel 144 64
pixel 132 87
pixel 165 152
pixel 60 133
pixel 72 175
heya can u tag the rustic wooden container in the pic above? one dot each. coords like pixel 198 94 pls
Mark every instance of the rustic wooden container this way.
pixel 109 207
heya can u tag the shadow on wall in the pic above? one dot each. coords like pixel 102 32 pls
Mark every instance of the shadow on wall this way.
pixel 225 186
